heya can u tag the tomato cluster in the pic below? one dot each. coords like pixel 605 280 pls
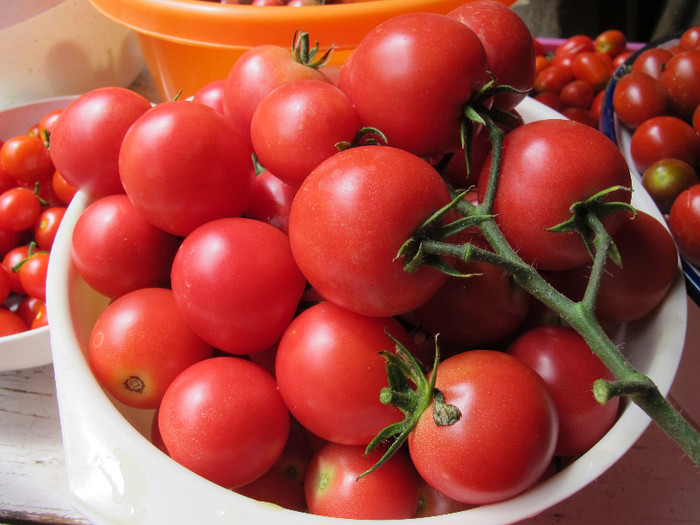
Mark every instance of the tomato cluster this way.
pixel 658 101
pixel 33 200
pixel 572 78
pixel 260 307
pixel 291 3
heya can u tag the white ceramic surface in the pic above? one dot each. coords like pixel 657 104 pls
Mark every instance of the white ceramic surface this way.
pixel 52 48
pixel 116 476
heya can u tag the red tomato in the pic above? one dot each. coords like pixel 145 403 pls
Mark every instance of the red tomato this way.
pixel 11 323
pixel 575 44
pixel 46 227
pixel 86 139
pixel 568 366
pixel 583 116
pixel 183 165
pixel 5 285
pixel 552 79
pixel 26 158
pixel 690 38
pixel 330 372
pixel 431 65
pixel 63 190
pixel 41 319
pixel 297 126
pixel 665 179
pixel 224 419
pixel 332 488
pixel 638 97
pixel 139 344
pixel 48 122
pixel 212 95
pixel 271 201
pixel 620 59
pixel 578 94
pixel 684 221
pixel 545 169
pixel 432 502
pixel 611 42
pixel 681 82
pixel 550 99
pixel 652 61
pixel 32 274
pixel 13 258
pixel 116 251
pixel 664 137
pixel 237 284
pixel 19 209
pixel 28 308
pixel 591 68
pixel 505 438
pixel 386 191
pixel 510 58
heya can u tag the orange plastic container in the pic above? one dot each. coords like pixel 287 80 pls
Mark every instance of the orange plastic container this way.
pixel 188 43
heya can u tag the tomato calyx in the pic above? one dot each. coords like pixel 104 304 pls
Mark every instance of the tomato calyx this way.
pixel 365 136
pixel 31 253
pixel 303 53
pixel 410 391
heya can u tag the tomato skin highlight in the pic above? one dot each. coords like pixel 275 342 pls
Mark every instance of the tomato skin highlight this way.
pixel 684 221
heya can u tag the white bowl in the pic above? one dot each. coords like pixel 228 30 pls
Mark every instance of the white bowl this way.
pixel 30 348
pixel 117 476
pixel 61 47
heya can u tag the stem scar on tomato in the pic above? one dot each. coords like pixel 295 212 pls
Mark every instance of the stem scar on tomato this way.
pixel 134 384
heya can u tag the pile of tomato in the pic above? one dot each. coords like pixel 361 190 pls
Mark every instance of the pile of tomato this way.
pixel 658 101
pixel 291 3
pixel 33 200
pixel 248 239
pixel 572 78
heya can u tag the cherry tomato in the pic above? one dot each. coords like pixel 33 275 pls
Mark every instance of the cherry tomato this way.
pixel 665 179
pixel 26 158
pixel 652 61
pixel 47 123
pixel 339 259
pixel 575 44
pixel 591 68
pixel 690 38
pixel 612 42
pixel 684 221
pixel 41 319
pixel 32 274
pixel 271 201
pixel 638 97
pixel 332 488
pixel 223 418
pixel 237 284
pixel 5 285
pixel 63 190
pixel 46 226
pixel 680 80
pixel 19 209
pixel 11 323
pixel 568 366
pixel 578 94
pixel 212 95
pixel 29 308
pixel 432 502
pixel 664 137
pixel 86 139
pixel 552 79
pixel 116 251
pixel 505 437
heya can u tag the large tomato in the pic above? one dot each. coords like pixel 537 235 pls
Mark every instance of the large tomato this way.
pixel 505 438
pixel 547 166
pixel 680 80
pixel 412 76
pixel 182 165
pixel 349 219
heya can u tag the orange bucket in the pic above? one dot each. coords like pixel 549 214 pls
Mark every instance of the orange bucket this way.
pixel 188 43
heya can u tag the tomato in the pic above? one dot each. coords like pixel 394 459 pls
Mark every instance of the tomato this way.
pixel 212 95
pixel 638 97
pixel 575 44
pixel 510 49
pixel 257 72
pixel 552 79
pixel 237 284
pixel 297 126
pixel 680 80
pixel 139 344
pixel 388 192
pixel 583 116
pixel 664 137
pixel 26 158
pixel 432 502
pixel 32 274
pixel 612 42
pixel 690 38
pixel 620 59
pixel 330 372
pixel 505 437
pixel 568 366
pixel 41 318
pixel 63 190
pixel 629 292
pixel 85 141
pixel 550 99
pixel 48 122
pixel 696 120
pixel 545 169
pixel 652 61
pixel 28 308
pixel 116 251
pixel 5 285
pixel 183 165
pixel 46 226
pixel 10 323
pixel 665 179
pixel 577 93
pixel 224 419
pixel 430 65
pixel 332 488
pixel 11 262
pixel 19 209
pixel 684 221
pixel 591 68
pixel 271 201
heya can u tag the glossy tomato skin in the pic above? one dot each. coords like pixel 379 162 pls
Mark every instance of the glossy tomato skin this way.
pixel 664 137
pixel 509 46
pixel 237 284
pixel 224 419
pixel 427 64
pixel 139 344
pixel 32 274
pixel 10 323
pixel 652 62
pixel 546 167
pixel 182 165
pixel 47 225
pixel 684 221
pixel 505 438
pixel 388 193
pixel 271 200
pixel 569 367
pixel 638 97
pixel 86 139
pixel 332 489
pixel 680 80
pixel 330 372
pixel 116 251
pixel 665 179
pixel 26 158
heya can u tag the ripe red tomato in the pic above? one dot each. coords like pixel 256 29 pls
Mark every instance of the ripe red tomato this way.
pixel 6 286
pixel 212 95
pixel 271 201
pixel 690 38
pixel 32 274
pixel 680 79
pixel 62 189
pixel 638 97
pixel 544 171
pixel 46 226
pixel 505 438
pixel 10 323
pixel 329 371
pixel 552 79
pixel 652 61
pixel 577 93
pixel 612 42
pixel 568 366
pixel 116 251
pixel 684 221
pixel 223 418
pixel 237 284
pixel 182 165
pixel 575 44
pixel 590 67
pixel 139 344
pixel 26 158
pixel 19 209
pixel 664 137
pixel 388 192
pixel 86 139
pixel 11 261
pixel 431 65
pixel 332 488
